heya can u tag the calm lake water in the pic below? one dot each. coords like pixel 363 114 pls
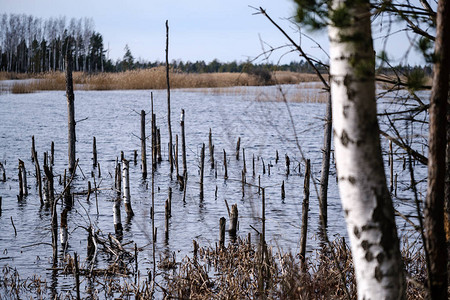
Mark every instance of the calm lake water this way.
pixel 251 113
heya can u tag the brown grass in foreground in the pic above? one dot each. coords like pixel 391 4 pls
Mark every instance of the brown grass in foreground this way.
pixel 154 78
pixel 235 272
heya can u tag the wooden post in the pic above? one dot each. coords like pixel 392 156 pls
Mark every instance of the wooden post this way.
pixel 3 172
pixel 135 155
pixel 232 229
pixel 276 157
pixel 259 184
pixel 126 188
pixel 395 185
pixel 143 146
pixel 183 144
pixel 118 179
pixel 225 163
pixel 254 173
pixel 20 196
pixel 283 194
pixel 176 156
pixel 77 276
pixel 33 148
pixel 158 143
pixel 243 158
pixel 263 220
pixel 238 146
pixel 202 167
pixel 52 154
pixel 46 192
pixel 211 149
pixel 117 218
pixel 45 159
pixel 323 199
pixel 94 152
pixel 168 98
pixel 152 210
pixel 67 195
pixel 184 188
pixel 71 112
pixel 243 184
pixel 170 201
pixel 263 165
pixel 154 142
pixel 288 162
pixel 50 183
pixel 89 189
pixel 23 178
pixel 154 139
pixel 222 233
pixel 167 216
pixel 195 244
pixel 99 170
pixel 305 208
pixel 63 232
pixel 54 233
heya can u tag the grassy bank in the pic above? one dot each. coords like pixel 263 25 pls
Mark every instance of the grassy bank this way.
pixel 150 79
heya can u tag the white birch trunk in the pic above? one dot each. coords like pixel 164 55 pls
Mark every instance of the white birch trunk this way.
pixel 364 194
pixel 126 188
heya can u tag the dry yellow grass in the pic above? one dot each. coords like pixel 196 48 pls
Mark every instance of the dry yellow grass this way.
pixel 286 77
pixel 13 75
pixel 154 78
pixel 309 92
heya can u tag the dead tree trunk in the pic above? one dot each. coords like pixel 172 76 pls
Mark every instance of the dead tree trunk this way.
pixel 325 166
pixel 202 170
pixel 211 149
pixel 183 144
pixel 126 188
pixel 143 146
pixel 71 112
pixel 94 152
pixel 169 126
pixel 434 206
pixel 305 208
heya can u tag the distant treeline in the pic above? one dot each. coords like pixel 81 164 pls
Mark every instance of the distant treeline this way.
pixel 34 45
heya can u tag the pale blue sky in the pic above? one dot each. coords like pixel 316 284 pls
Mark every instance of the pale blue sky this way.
pixel 199 29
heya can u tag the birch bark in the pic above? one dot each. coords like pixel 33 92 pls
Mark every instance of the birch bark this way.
pixel 364 194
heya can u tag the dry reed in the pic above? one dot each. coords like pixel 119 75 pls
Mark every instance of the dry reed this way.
pixel 151 79
pixel 235 272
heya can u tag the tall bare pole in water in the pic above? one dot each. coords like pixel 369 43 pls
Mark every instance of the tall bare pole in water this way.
pixel 168 98
pixel 70 109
